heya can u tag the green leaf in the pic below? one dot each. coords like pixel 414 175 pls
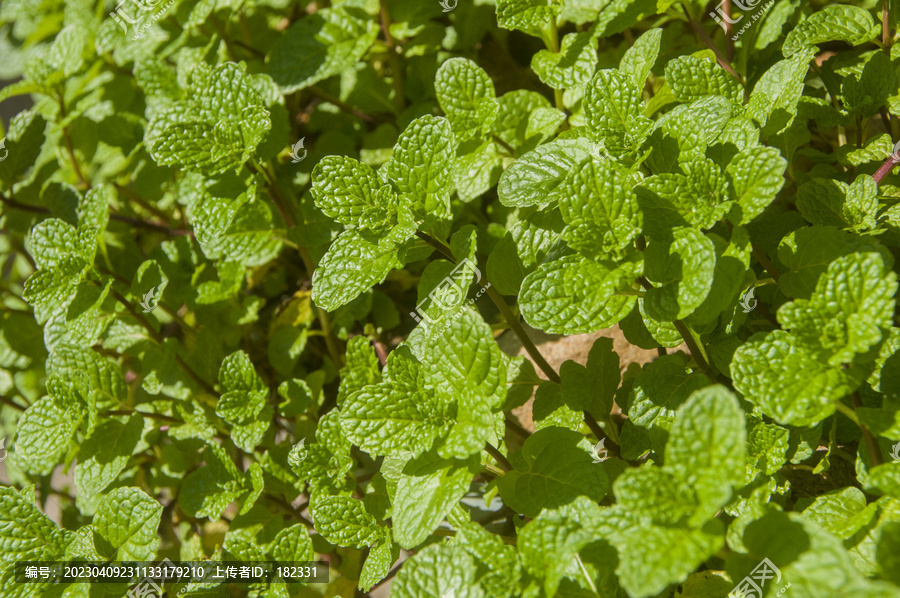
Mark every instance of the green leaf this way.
pixel 641 56
pixel 526 15
pixel 706 448
pixel 574 295
pixel 125 526
pixel 26 534
pixel 353 194
pixel 344 521
pixel 684 267
pixel 658 392
pixel 522 249
pixel 613 107
pixel 53 288
pixel 377 565
pixel 572 66
pixel 692 78
pixel 319 46
pixel 653 556
pixel 694 197
pixel 104 455
pixel 428 488
pixel 352 266
pixel 466 95
pixel 600 208
pixel 207 491
pixel 218 125
pixel 46 429
pixel 549 544
pixel 537 177
pixel 437 570
pixel 22 144
pixel 361 368
pixel 591 387
pixel 245 394
pixel 808 251
pixel 553 468
pixel 292 544
pixel 851 24
pixel 755 176
pixel 849 312
pixel 422 164
pixel 777 373
pixel 393 417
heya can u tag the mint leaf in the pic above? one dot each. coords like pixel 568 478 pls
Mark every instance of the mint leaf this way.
pixel 553 468
pixel 466 95
pixel 692 78
pixel 600 208
pixel 344 521
pixel 537 177
pixel 526 15
pixel 426 491
pixel 851 24
pixel 320 46
pixel 125 525
pixel 574 295
pixel 352 266
pixel 683 265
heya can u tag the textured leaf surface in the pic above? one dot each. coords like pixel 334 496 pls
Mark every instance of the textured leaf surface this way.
pixel 574 295
pixel 126 523
pixel 537 177
pixel 320 46
pixel 553 468
pixel 848 23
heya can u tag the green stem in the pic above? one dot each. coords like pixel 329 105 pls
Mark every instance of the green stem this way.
pixel 393 57
pixel 871 442
pixel 693 344
pixel 502 461
pixel 507 313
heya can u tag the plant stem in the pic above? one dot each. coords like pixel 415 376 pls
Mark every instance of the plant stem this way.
pixel 694 347
pixel 553 46
pixel 68 141
pixel 9 402
pixel 885 169
pixel 502 461
pixel 344 106
pixel 729 43
pixel 324 321
pixel 519 430
pixel 393 57
pixel 130 412
pixel 519 331
pixel 504 145
pixel 766 263
pixel 871 443
pixel 885 26
pixel 704 37
pixel 507 313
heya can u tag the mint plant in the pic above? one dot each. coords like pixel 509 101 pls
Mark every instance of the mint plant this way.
pixel 260 258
